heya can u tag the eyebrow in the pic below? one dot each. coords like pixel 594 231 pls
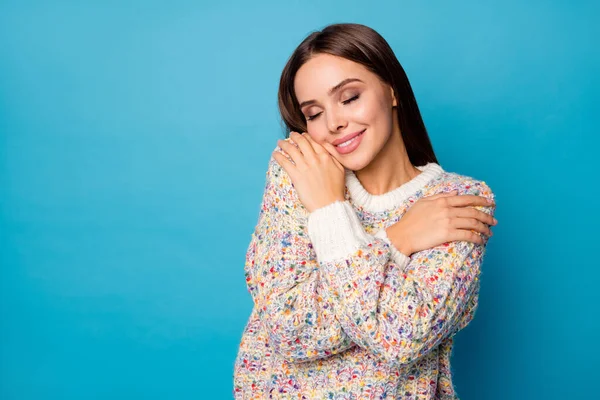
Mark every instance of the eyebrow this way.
pixel 332 90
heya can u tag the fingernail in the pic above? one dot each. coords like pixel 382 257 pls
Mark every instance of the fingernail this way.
pixel 490 200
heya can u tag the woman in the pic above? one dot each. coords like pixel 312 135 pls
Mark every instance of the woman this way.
pixel 366 257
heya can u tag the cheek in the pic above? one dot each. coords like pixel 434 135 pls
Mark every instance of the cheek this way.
pixel 368 112
pixel 318 130
pixel 317 133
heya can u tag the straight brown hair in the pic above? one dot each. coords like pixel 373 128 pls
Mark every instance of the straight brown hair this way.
pixel 365 46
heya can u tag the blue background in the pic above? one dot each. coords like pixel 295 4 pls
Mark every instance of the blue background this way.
pixel 135 137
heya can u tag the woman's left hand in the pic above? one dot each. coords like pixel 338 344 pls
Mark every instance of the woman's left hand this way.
pixel 318 177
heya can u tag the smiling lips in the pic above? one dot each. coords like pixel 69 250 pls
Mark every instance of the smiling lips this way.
pixel 346 138
pixel 349 143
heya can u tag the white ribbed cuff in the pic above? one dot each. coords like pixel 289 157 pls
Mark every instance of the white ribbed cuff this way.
pixel 400 258
pixel 335 231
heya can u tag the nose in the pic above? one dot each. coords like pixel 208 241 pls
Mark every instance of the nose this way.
pixel 336 120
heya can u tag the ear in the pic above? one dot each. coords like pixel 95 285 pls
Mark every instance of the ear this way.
pixel 394 101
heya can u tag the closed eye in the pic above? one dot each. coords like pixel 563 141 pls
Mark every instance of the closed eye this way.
pixel 350 100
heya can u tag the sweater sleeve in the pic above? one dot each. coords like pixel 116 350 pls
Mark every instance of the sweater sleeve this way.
pixel 284 280
pixel 402 309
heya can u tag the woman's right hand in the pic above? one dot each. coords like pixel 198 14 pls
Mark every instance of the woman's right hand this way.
pixel 441 218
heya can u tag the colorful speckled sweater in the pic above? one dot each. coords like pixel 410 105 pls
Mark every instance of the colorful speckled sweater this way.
pixel 339 312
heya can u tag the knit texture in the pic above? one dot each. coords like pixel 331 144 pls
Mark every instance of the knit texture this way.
pixel 339 312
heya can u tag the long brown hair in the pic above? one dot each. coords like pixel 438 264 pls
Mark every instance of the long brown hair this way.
pixel 363 45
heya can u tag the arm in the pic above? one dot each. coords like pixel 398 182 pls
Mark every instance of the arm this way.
pixel 398 310
pixel 284 278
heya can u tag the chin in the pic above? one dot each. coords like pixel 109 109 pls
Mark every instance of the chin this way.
pixel 354 162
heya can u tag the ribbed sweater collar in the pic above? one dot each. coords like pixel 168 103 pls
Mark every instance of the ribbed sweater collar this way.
pixel 393 198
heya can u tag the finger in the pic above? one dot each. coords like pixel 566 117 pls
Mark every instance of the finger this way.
pixel 329 148
pixel 471 224
pixel 304 145
pixel 318 149
pixel 294 152
pixel 466 235
pixel 462 212
pixel 287 156
pixel 279 150
pixel 285 163
pixel 469 200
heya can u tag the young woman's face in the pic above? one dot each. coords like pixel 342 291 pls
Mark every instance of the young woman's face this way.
pixel 363 103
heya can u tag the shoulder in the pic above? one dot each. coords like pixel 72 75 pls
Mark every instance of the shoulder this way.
pixel 276 173
pixel 279 190
pixel 277 178
pixel 464 184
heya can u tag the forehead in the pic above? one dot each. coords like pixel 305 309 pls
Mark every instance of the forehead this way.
pixel 323 71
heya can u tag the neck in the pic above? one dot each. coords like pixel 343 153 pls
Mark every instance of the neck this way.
pixel 390 169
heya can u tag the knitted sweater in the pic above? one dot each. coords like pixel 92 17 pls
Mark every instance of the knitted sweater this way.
pixel 339 312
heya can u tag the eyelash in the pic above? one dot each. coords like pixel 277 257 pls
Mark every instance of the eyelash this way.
pixel 350 100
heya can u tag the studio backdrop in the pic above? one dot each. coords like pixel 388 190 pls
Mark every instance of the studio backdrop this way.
pixel 134 141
